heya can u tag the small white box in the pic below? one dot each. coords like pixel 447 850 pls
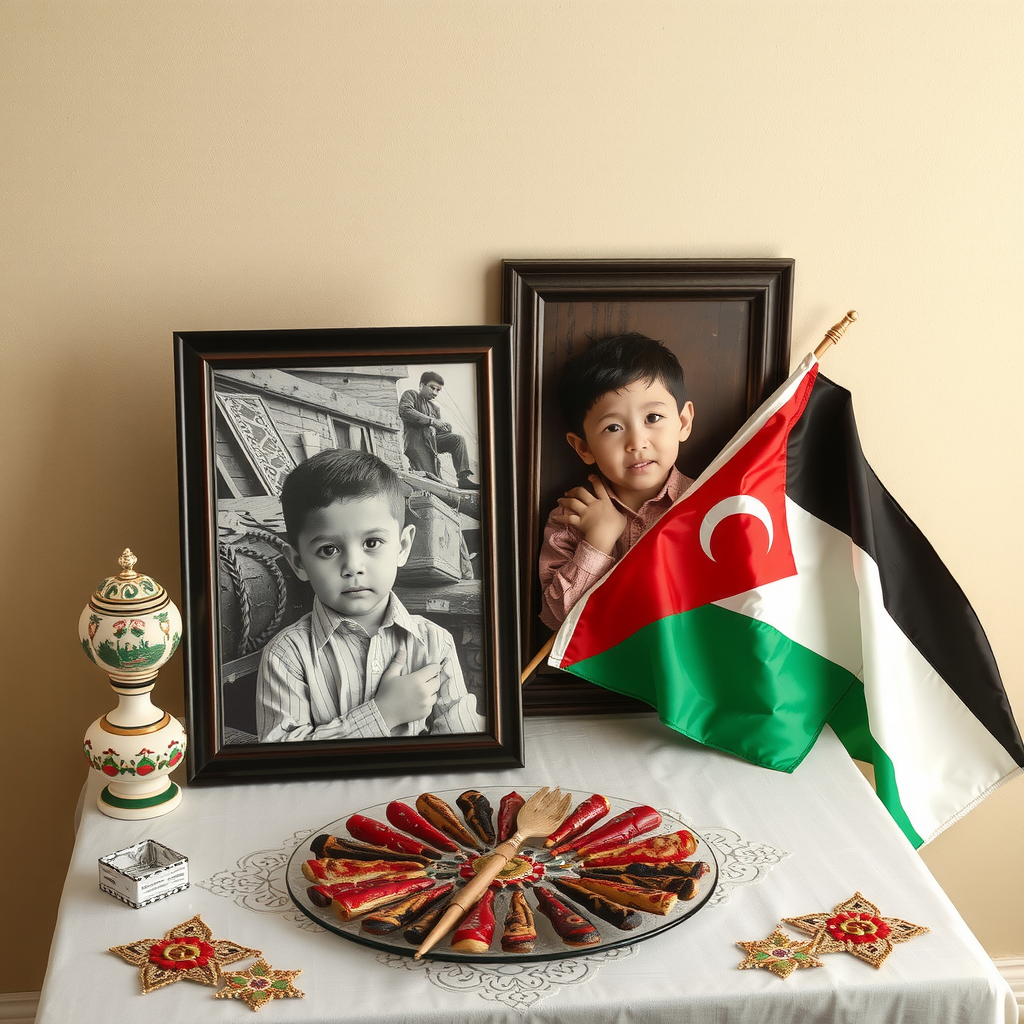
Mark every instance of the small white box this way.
pixel 143 873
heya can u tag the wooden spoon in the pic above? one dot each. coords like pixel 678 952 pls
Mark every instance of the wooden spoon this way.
pixel 539 816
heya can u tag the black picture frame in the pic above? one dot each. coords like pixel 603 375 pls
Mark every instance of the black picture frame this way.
pixel 314 389
pixel 728 320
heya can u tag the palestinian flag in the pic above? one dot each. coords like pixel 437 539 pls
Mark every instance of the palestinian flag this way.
pixel 787 589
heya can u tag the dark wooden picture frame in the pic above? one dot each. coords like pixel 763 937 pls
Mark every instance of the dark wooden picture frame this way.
pixel 729 323
pixel 251 405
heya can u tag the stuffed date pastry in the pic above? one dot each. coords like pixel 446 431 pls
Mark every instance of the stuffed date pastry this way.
pixel 570 927
pixel 624 918
pixel 520 932
pixel 338 846
pixel 422 926
pixel 653 901
pixel 684 888
pixel 476 809
pixel 397 915
pixel 646 869
pixel 442 816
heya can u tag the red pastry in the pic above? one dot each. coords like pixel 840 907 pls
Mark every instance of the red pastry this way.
pixel 666 849
pixel 508 811
pixel 370 830
pixel 361 899
pixel 572 929
pixel 588 813
pixel 323 895
pixel 621 829
pixel 404 817
pixel 333 869
pixel 475 933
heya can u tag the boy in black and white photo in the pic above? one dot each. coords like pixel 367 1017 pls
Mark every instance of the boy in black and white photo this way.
pixel 359 664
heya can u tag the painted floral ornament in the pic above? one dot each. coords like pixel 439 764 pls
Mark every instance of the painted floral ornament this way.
pixel 259 984
pixel 130 628
pixel 856 926
pixel 780 954
pixel 188 951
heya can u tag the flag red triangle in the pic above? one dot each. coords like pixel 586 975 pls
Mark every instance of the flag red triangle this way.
pixel 723 537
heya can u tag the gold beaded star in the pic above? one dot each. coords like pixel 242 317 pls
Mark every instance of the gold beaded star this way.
pixel 188 950
pixel 780 954
pixel 259 984
pixel 855 926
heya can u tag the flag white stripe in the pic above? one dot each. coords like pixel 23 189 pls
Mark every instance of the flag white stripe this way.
pixel 943 758
pixel 818 607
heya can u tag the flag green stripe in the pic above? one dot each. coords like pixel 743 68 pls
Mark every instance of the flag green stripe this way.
pixel 727 681
pixel 849 720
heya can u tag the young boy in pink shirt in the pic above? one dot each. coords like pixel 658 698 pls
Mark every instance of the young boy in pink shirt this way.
pixel 624 400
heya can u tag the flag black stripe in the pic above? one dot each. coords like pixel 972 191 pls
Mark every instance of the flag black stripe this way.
pixel 828 476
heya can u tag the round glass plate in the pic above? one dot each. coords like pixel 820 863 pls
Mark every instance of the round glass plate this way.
pixel 542 873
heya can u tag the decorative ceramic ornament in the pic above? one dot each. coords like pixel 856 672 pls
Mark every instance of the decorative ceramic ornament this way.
pixel 130 628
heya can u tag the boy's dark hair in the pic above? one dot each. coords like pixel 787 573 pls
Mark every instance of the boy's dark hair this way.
pixel 610 365
pixel 336 475
pixel 431 376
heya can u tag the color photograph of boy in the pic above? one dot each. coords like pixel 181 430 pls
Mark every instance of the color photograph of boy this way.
pixel 624 401
pixel 359 665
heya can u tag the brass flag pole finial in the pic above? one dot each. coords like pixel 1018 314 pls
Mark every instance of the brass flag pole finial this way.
pixel 834 333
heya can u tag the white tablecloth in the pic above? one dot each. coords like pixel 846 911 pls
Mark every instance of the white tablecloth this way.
pixel 818 836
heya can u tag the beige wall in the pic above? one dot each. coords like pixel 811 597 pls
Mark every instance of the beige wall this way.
pixel 172 166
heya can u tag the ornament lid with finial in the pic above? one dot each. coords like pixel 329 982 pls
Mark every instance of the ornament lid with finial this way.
pixel 129 592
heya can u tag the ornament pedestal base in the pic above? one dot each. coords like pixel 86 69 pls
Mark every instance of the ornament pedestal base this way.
pixel 134 806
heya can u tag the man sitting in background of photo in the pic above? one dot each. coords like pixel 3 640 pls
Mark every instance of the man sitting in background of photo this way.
pixel 427 434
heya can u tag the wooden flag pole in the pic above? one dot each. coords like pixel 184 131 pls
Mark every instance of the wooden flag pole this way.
pixel 537 659
pixel 832 336
pixel 834 333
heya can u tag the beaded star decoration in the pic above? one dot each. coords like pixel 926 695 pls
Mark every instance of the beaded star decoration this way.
pixel 186 951
pixel 855 926
pixel 780 954
pixel 259 984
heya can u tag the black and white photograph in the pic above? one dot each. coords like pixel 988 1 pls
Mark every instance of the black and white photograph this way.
pixel 353 537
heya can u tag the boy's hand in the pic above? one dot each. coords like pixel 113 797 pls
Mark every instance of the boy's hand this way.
pixel 402 698
pixel 593 514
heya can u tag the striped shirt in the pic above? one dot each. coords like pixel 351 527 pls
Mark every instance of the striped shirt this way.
pixel 318 676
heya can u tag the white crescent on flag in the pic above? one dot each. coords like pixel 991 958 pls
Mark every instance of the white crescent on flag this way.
pixel 736 504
